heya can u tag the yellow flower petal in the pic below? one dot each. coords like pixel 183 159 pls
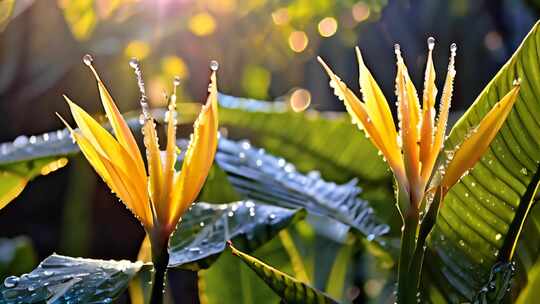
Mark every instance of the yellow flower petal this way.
pixel 377 106
pixel 12 185
pixel 115 179
pixel 442 119
pixel 155 169
pixel 199 157
pixel 106 144
pixel 357 110
pixel 474 146
pixel 170 155
pixel 428 114
pixel 408 107
pixel 121 129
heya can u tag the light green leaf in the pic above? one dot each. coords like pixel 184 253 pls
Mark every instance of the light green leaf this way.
pixel 17 256
pixel 291 290
pixel 481 218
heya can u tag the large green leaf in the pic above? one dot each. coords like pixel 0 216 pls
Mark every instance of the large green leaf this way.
pixel 326 142
pixel 205 229
pixel 482 216
pixel 291 290
pixel 261 176
pixel 60 279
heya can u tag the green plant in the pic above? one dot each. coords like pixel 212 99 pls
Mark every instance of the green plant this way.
pixel 461 223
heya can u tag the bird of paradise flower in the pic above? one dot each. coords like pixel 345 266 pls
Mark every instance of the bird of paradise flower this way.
pixel 157 195
pixel 423 174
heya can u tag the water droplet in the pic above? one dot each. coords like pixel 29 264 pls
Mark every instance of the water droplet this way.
pixel 11 281
pixel 516 82
pixel 201 224
pixel 397 49
pixel 431 43
pixel 498 236
pixel 453 47
pixel 461 243
pixel 230 214
pixel 20 141
pixel 176 81
pixel 88 59
pixel 134 63
pixel 214 65
pixel 524 171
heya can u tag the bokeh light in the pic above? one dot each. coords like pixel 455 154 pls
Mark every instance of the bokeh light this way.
pixel 281 16
pixel 202 24
pixel 256 81
pixel 328 27
pixel 300 100
pixel 493 41
pixel 138 49
pixel 298 41
pixel 222 6
pixel 360 11
pixel 174 66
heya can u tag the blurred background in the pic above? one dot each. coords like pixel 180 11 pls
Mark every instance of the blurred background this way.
pixel 267 50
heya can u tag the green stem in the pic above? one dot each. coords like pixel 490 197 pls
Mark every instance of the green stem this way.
pixel 160 259
pixel 415 269
pixel 406 294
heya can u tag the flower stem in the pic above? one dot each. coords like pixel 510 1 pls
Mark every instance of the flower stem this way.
pixel 160 259
pixel 406 294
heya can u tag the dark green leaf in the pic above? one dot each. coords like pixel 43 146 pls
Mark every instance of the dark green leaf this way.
pixel 288 288
pixel 204 231
pixel 482 216
pixel 61 279
pixel 326 142
pixel 261 176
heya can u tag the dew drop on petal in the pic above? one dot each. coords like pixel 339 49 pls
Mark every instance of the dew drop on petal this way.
pixel 214 65
pixel 431 43
pixel 88 59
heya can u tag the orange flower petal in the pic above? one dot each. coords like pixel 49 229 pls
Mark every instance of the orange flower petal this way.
pixel 357 110
pixel 115 179
pixel 409 109
pixel 442 119
pixel 377 106
pixel 106 144
pixel 428 113
pixel 121 129
pixel 155 169
pixel 473 147
pixel 199 157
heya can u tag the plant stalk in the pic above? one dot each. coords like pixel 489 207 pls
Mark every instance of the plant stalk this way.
pixel 406 292
pixel 160 259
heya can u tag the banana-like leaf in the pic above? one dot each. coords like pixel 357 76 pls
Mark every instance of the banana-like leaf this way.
pixel 264 177
pixel 326 142
pixel 481 219
pixel 291 290
pixel 204 231
pixel 61 279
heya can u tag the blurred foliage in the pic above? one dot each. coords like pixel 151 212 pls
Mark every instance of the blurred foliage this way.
pixel 17 256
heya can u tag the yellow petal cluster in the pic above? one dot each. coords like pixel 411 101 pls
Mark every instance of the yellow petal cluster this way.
pixel 157 194
pixel 412 152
